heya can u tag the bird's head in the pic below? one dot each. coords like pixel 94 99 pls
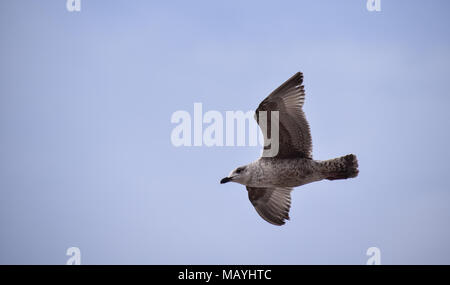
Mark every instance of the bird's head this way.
pixel 240 175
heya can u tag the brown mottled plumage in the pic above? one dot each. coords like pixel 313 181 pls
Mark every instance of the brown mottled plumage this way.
pixel 270 179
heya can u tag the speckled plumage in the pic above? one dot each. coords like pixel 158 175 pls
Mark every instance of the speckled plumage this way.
pixel 287 172
pixel 270 179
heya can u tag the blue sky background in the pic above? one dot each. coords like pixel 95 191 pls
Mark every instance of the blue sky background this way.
pixel 86 158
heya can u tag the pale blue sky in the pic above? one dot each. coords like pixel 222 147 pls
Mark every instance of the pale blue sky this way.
pixel 86 158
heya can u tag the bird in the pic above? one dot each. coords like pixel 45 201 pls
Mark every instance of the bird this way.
pixel 270 179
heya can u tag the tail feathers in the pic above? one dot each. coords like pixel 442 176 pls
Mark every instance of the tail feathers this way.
pixel 341 168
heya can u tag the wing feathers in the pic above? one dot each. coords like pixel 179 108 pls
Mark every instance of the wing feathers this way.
pixel 294 133
pixel 272 204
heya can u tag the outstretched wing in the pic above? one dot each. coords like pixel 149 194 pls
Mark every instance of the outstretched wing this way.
pixel 294 133
pixel 272 204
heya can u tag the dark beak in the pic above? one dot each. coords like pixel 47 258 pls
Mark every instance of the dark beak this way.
pixel 225 180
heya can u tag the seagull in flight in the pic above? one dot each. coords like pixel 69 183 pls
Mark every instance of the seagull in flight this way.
pixel 270 179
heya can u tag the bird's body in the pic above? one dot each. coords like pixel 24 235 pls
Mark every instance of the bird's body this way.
pixel 288 172
pixel 287 157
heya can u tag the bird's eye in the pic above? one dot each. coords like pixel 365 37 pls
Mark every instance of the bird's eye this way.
pixel 238 170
